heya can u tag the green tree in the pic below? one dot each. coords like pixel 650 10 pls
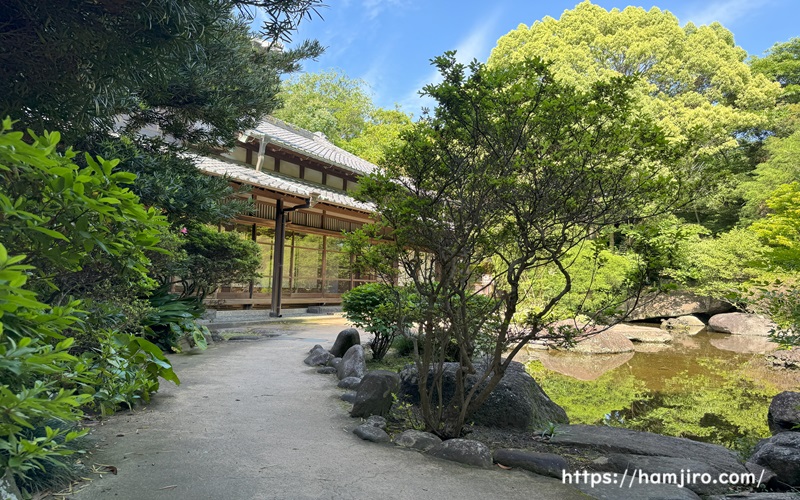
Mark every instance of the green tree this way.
pixel 781 63
pixel 342 109
pixel 693 81
pixel 188 67
pixel 513 169
pixel 782 166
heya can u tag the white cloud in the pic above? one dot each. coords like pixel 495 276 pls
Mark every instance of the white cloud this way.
pixel 373 8
pixel 476 45
pixel 726 12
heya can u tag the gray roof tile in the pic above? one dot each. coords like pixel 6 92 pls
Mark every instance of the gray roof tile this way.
pixel 313 145
pixel 277 182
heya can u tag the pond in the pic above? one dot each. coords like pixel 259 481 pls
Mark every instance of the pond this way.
pixel 710 387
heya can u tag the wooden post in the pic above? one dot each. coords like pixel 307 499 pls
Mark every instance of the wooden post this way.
pixel 277 262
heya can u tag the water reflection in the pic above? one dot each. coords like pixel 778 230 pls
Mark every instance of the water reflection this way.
pixel 711 387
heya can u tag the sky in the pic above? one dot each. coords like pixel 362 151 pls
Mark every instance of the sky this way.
pixel 389 43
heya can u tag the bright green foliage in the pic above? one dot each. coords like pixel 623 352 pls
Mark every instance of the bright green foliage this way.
pixel 382 310
pixel 722 407
pixel 781 63
pixel 601 281
pixel 695 81
pixel 328 102
pixel 383 131
pixel 782 166
pixel 78 226
pixel 33 364
pixel 593 402
pixel 783 307
pixel 781 228
pixel 513 168
pixel 125 370
pixel 342 109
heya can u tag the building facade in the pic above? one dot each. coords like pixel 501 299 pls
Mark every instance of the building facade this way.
pixel 299 183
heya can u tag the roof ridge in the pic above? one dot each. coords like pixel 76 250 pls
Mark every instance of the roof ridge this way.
pixel 291 127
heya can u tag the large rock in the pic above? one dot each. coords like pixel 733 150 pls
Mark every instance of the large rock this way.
pixel 686 325
pixel 741 324
pixel 344 341
pixel 465 451
pixel 645 334
pixel 784 412
pixel 618 440
pixel 318 356
pixel 349 383
pixel 517 401
pixel 755 496
pixel 607 342
pixel 417 440
pixel 546 464
pixel 781 455
pixel 353 363
pixel 369 432
pixel 375 393
pixel 673 305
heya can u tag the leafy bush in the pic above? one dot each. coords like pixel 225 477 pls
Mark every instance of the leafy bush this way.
pixel 382 310
pixel 172 319
pixel 32 371
pixel 214 258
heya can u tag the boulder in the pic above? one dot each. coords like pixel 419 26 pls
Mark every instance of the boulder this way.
pixel 546 464
pixel 465 451
pixel 646 466
pixel 686 325
pixel 335 362
pixel 765 477
pixel 417 440
pixel 349 383
pixel 349 397
pixel 740 324
pixel 376 421
pixel 645 334
pixel 375 394
pixel 371 433
pixel 344 341
pixel 517 402
pixel 673 305
pixel 618 440
pixel 326 370
pixel 353 363
pixel 607 342
pixel 318 356
pixel 784 412
pixel 781 455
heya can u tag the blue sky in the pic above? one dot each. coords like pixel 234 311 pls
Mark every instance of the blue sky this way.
pixel 389 43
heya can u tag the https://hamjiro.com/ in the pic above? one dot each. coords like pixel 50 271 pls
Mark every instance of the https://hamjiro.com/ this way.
pixel 680 479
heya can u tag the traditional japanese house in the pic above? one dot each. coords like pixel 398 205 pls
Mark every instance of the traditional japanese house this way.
pixel 300 184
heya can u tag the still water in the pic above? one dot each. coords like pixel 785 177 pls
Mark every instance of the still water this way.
pixel 710 387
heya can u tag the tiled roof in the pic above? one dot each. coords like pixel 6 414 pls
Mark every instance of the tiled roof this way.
pixel 277 182
pixel 312 145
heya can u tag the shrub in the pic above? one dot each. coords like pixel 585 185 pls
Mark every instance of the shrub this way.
pixel 382 310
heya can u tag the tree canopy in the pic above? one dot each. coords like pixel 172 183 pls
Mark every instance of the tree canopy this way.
pixel 343 110
pixel 513 168
pixel 695 82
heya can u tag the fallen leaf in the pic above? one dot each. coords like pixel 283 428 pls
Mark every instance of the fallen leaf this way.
pixel 504 467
